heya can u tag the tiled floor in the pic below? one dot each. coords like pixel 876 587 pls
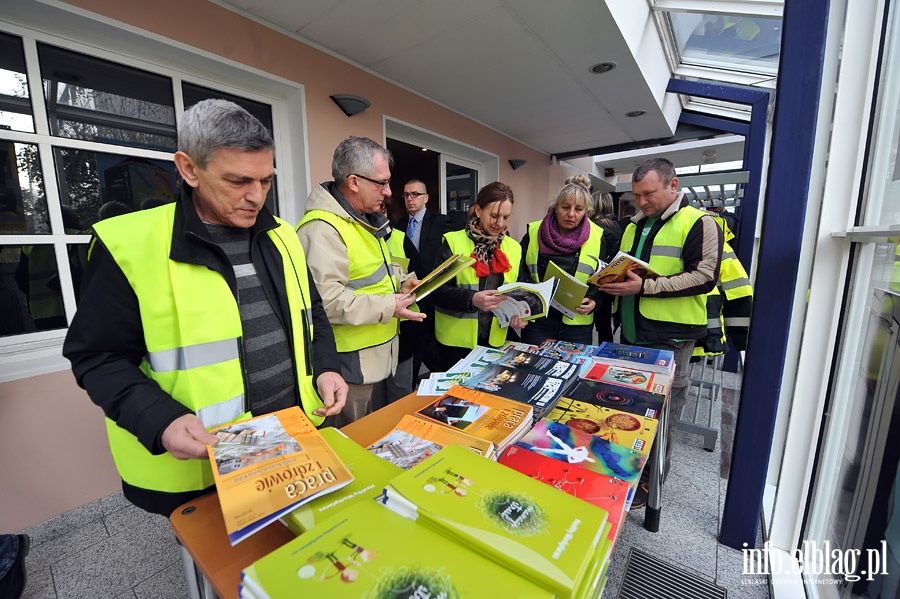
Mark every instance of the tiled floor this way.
pixel 110 549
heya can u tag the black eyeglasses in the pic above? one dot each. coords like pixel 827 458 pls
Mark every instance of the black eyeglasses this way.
pixel 413 194
pixel 380 184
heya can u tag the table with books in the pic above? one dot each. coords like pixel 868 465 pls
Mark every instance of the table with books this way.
pixel 511 473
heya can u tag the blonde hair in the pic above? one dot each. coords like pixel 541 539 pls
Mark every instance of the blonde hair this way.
pixel 577 187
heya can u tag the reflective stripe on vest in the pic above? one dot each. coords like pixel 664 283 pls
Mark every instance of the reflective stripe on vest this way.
pixel 369 275
pixel 198 364
pixel 665 259
pixel 588 261
pixel 460 329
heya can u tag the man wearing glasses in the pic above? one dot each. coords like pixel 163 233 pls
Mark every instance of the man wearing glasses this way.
pixel 343 234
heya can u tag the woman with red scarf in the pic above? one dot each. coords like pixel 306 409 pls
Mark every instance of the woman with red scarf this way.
pixel 573 242
pixel 463 317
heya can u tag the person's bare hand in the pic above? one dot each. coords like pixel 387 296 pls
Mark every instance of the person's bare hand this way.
pixel 630 287
pixel 333 391
pixel 186 438
pixel 587 306
pixel 517 323
pixel 408 285
pixel 401 308
pixel 487 300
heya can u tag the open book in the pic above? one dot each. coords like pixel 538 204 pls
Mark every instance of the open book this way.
pixel 525 300
pixel 267 466
pixel 569 292
pixel 614 272
pixel 445 271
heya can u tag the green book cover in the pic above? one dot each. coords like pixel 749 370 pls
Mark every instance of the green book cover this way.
pixel 368 551
pixel 525 525
pixel 445 271
pixel 370 473
pixel 569 292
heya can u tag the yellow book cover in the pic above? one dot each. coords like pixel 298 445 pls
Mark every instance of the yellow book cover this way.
pixel 620 428
pixel 440 275
pixel 614 272
pixel 267 466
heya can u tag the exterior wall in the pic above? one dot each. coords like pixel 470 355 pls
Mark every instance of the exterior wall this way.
pixel 56 456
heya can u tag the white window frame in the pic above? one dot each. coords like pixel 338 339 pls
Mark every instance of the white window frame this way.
pixel 51 22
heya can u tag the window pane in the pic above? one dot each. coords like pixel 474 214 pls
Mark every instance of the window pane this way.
pixel 15 105
pixel 734 42
pixel 98 100
pixel 92 183
pixel 23 205
pixel 195 93
pixel 30 296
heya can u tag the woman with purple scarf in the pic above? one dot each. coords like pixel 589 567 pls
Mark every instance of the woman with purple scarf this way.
pixel 573 242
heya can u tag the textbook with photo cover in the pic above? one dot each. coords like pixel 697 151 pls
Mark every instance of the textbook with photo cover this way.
pixel 534 362
pixel 633 401
pixel 614 271
pixel 629 376
pixel 528 527
pixel 370 474
pixel 636 356
pixel 445 271
pixel 266 466
pixel 569 292
pixel 525 300
pixel 404 449
pixel 539 391
pixel 622 428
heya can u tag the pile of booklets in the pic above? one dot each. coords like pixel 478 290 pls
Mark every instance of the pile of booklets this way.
pixel 423 513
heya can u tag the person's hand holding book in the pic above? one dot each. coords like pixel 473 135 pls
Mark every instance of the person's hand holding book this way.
pixel 631 286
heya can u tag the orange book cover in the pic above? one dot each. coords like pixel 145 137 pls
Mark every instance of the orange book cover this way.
pixel 621 263
pixel 267 466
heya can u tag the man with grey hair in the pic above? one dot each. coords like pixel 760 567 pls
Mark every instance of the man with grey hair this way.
pixel 200 312
pixel 683 245
pixel 343 234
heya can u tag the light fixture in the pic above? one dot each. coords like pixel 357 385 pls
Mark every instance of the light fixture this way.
pixel 635 113
pixel 602 67
pixel 516 163
pixel 350 104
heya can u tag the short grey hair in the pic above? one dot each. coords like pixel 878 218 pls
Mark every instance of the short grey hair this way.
pixel 212 124
pixel 356 156
pixel 663 167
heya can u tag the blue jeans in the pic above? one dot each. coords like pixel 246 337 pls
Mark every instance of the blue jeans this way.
pixel 12 566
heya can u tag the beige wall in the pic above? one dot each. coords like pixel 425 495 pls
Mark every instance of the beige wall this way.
pixel 53 454
pixel 53 451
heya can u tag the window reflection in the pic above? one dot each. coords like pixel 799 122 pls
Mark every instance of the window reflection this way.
pixel 23 205
pixel 15 105
pixel 94 183
pixel 30 293
pixel 98 100
pixel 750 44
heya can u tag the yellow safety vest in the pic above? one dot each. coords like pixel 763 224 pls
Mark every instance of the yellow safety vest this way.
pixel 370 274
pixel 192 329
pixel 460 329
pixel 588 261
pixel 666 259
pixel 733 284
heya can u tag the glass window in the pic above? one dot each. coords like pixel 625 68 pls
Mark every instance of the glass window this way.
pixel 97 100
pixel 96 185
pixel 30 291
pixel 731 42
pixel 15 102
pixel 23 205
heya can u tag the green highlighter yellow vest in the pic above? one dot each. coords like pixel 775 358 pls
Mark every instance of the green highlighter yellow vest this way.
pixel 193 346
pixel 460 329
pixel 369 275
pixel 665 259
pixel 588 260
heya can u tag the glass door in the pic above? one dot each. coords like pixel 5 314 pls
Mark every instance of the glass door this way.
pixel 460 180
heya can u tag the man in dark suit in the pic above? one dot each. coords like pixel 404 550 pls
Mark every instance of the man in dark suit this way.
pixel 423 238
pixel 423 247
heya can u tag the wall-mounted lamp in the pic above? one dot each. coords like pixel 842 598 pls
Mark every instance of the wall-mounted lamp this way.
pixel 350 104
pixel 516 163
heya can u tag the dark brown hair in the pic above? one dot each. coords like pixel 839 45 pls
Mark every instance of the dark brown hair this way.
pixel 494 192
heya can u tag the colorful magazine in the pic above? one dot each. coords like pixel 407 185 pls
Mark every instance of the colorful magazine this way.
pixel 621 263
pixel 539 391
pixel 370 474
pixel 538 364
pixel 369 551
pixel 603 491
pixel 622 428
pixel 404 449
pixel 533 529
pixel 567 444
pixel 633 378
pixel 440 275
pixel 635 356
pixel 621 398
pixel 267 466
pixel 525 300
